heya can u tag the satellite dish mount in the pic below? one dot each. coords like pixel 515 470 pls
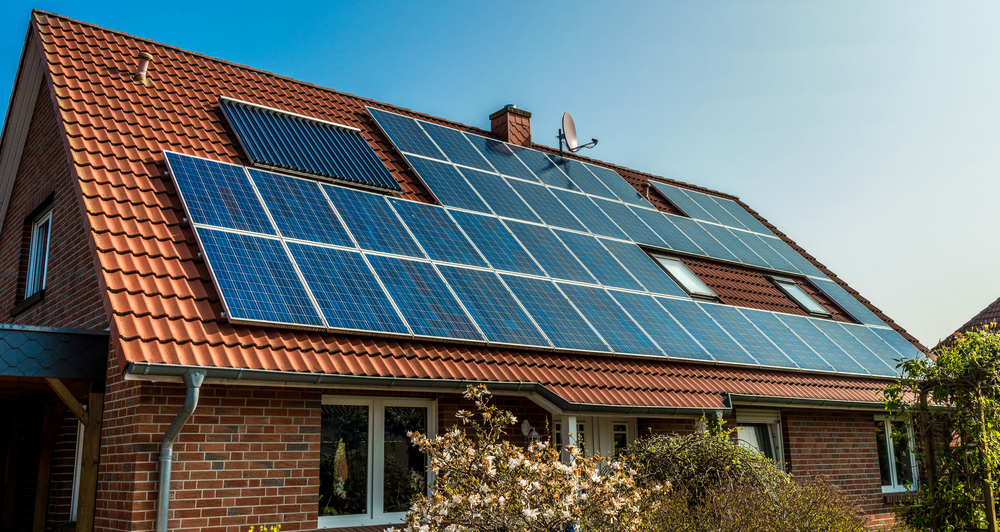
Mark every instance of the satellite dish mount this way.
pixel 568 135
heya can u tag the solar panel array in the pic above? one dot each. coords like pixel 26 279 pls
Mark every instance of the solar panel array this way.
pixel 295 252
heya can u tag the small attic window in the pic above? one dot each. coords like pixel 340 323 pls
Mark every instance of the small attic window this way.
pixel 794 291
pixel 685 277
pixel 38 253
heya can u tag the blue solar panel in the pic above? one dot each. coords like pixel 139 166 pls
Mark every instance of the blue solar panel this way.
pixel 793 257
pixel 218 194
pixel 644 268
pixel 836 332
pixel 747 219
pixel 300 209
pixel 703 238
pixel 257 279
pixel 618 185
pixel 712 207
pixel 740 328
pixel 545 169
pixel 496 243
pixel 735 246
pixel 581 177
pixel 670 236
pixel 283 140
pixel 596 258
pixel 765 251
pixel 682 201
pixel 406 134
pixel 455 146
pixel 664 330
pixel 607 317
pixel 779 333
pixel 553 313
pixel 448 186
pixel 493 307
pixel 819 342
pixel 438 235
pixel 371 221
pixel 627 220
pixel 501 157
pixel 545 205
pixel 593 218
pixel 847 301
pixel 706 331
pixel 874 342
pixel 423 298
pixel 893 338
pixel 498 194
pixel 346 289
pixel 553 256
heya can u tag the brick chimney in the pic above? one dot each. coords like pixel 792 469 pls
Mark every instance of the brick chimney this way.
pixel 512 125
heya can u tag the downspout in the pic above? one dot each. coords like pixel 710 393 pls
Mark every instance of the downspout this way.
pixel 192 381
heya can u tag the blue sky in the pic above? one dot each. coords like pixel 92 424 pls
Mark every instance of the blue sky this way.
pixel 868 131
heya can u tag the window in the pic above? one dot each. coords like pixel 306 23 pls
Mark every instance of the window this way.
pixel 684 277
pixel 38 254
pixel 368 468
pixel 606 436
pixel 895 461
pixel 761 431
pixel 794 291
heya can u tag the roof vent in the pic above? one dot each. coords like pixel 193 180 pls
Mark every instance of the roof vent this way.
pixel 139 78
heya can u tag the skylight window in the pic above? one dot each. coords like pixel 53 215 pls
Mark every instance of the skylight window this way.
pixel 794 291
pixel 685 277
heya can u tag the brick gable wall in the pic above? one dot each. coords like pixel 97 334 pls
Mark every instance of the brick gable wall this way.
pixel 72 297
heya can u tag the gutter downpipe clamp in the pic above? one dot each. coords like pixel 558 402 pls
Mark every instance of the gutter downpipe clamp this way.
pixel 192 381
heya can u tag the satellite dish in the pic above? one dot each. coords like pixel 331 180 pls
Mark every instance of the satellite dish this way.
pixel 568 135
pixel 569 131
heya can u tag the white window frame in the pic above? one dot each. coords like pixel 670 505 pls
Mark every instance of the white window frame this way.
pixel 78 460
pixel 598 433
pixel 33 284
pixel 771 418
pixel 685 278
pixel 792 289
pixel 887 429
pixel 376 457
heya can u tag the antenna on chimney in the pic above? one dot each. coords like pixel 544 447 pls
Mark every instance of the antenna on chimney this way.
pixel 568 135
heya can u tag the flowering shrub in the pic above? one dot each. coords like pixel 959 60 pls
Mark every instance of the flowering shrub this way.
pixel 484 483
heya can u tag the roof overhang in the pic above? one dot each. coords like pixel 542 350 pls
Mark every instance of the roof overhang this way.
pixel 47 352
pixel 801 402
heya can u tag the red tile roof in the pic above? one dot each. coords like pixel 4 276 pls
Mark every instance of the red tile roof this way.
pixel 990 314
pixel 164 307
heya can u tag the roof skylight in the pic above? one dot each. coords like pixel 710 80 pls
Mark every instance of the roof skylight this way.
pixel 794 291
pixel 685 277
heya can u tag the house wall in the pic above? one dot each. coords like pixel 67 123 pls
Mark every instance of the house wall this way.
pixel 72 297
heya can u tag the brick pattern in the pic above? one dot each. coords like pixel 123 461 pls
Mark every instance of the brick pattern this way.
pixel 513 128
pixel 61 481
pixel 666 426
pixel 72 297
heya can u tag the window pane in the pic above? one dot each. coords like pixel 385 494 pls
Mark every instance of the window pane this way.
pixel 405 466
pixel 798 294
pixel 343 465
pixel 883 453
pixel 901 446
pixel 39 255
pixel 755 436
pixel 621 437
pixel 685 277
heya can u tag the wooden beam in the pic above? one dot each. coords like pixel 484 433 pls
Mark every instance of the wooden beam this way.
pixel 64 394
pixel 10 471
pixel 87 498
pixel 51 422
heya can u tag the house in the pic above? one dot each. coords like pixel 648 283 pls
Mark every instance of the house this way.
pixel 276 281
pixel 987 316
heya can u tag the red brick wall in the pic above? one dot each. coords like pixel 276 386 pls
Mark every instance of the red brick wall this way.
pixel 61 481
pixel 72 297
pixel 666 426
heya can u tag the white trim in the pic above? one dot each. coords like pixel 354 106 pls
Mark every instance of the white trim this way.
pixel 77 461
pixel 771 418
pixel 30 74
pixel 32 283
pixel 376 457
pixel 891 456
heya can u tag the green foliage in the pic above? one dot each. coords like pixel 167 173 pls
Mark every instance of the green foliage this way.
pixel 960 421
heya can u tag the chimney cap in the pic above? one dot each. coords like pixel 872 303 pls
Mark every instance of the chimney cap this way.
pixel 146 55
pixel 511 108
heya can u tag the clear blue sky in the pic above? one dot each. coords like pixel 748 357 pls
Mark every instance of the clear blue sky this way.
pixel 868 131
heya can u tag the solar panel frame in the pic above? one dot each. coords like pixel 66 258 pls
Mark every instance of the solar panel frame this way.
pixel 897 342
pixel 858 350
pixel 424 299
pixel 550 253
pixel 875 344
pixel 493 307
pixel 554 314
pixel 649 274
pixel 365 302
pixel 748 220
pixel 801 263
pixel 735 246
pixel 838 358
pixel 671 237
pixel 746 333
pixel 712 207
pixel 497 244
pixel 628 222
pixel 545 205
pixel 617 328
pixel 794 348
pixel 364 223
pixel 772 257
pixel 546 170
pixel 680 199
pixel 406 134
pixel 846 301
pixel 674 340
pixel 618 185
pixel 501 157
pixel 455 146
pixel 439 236
pixel 499 195
pixel 709 334
pixel 311 218
pixel 194 176
pixel 589 214
pixel 697 233
pixel 581 177
pixel 598 260
pixel 447 185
